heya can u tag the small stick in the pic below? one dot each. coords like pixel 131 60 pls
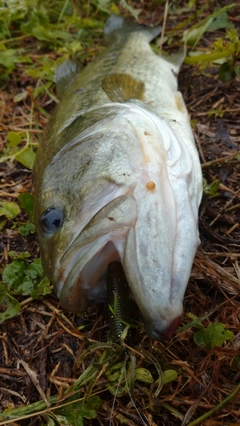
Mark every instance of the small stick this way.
pixel 164 26
pixel 220 160
pixel 218 407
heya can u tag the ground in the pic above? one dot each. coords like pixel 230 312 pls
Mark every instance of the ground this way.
pixel 50 358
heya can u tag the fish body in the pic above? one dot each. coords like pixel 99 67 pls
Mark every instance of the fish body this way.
pixel 117 177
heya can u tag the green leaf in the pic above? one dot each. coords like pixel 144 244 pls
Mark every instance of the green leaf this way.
pixel 2 224
pixel 130 9
pixel 9 209
pixel 44 287
pixel 75 412
pixel 214 335
pixel 21 96
pixel 22 255
pixel 193 35
pixel 237 71
pixel 219 22
pixel 90 407
pixel 12 305
pixel 226 72
pixel 26 229
pixel 45 70
pixel 14 139
pixel 118 379
pixel 27 203
pixel 35 269
pixel 26 157
pixel 26 288
pixel 212 188
pixel 49 421
pixel 235 363
pixel 13 274
pixel 24 279
pixel 8 58
pixel 169 376
pixel 143 375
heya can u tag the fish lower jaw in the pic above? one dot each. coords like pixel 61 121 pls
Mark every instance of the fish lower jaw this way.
pixel 85 284
pixel 160 329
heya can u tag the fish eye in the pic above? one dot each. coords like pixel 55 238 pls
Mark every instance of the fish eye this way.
pixel 51 220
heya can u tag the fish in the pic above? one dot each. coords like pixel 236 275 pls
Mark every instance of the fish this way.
pixel 117 177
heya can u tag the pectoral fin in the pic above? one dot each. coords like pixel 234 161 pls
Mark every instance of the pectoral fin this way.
pixel 122 87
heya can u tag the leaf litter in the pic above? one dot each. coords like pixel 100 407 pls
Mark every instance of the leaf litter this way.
pixel 58 368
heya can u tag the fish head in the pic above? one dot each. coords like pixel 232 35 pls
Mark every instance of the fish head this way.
pixel 81 214
pixel 107 195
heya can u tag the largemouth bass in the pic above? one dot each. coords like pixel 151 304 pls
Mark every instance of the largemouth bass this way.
pixel 117 177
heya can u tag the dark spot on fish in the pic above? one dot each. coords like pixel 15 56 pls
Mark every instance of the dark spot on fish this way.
pixel 111 218
pixel 81 90
pixel 146 133
pixel 174 73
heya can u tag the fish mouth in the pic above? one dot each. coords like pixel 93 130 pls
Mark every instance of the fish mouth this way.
pixel 162 330
pixel 86 286
pixel 80 279
pixel 147 257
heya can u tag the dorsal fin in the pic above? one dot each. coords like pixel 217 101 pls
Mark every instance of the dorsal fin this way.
pixel 118 27
pixel 122 87
pixel 66 74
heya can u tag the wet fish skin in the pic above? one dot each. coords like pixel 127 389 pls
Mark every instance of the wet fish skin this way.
pixel 126 175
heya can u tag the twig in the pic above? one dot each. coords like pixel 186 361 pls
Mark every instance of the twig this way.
pixel 224 209
pixel 215 409
pixel 220 160
pixel 172 410
pixel 163 26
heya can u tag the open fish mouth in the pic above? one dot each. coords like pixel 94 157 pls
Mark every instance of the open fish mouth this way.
pixel 112 234
pixel 86 285
pixel 80 280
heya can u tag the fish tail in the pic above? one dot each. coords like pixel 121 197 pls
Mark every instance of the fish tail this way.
pixel 117 27
pixel 177 58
